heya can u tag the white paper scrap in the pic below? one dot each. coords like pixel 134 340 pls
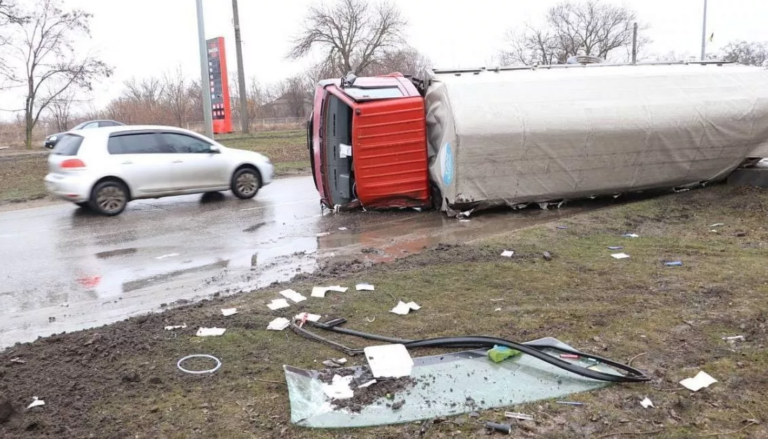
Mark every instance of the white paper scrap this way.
pixel 278 304
pixel 507 253
pixel 310 317
pixel 278 324
pixel 700 381
pixel 339 387
pixel 293 295
pixel 338 289
pixel 364 287
pixel 389 361
pixel 171 328
pixel 226 312
pixel 319 291
pixel 36 402
pixel 414 306
pixel 210 332
pixel 646 403
pixel 620 256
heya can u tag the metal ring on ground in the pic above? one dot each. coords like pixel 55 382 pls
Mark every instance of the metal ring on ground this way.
pixel 199 372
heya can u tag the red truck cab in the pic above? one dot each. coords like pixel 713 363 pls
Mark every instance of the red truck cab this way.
pixel 367 143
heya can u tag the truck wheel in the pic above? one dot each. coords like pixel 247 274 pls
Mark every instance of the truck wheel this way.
pixel 109 198
pixel 246 183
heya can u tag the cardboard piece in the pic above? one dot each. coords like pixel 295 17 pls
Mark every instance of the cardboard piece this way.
pixel 389 361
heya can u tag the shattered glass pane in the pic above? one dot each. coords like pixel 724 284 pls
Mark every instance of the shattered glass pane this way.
pixel 444 385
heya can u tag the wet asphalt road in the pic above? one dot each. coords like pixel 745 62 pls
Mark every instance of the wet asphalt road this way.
pixel 65 269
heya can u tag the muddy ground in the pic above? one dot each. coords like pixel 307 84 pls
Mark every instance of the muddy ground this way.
pixel 121 380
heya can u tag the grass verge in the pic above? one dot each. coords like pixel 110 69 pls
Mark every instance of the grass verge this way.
pixel 121 380
pixel 21 175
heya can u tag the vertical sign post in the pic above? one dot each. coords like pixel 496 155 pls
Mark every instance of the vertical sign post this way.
pixel 204 71
pixel 218 83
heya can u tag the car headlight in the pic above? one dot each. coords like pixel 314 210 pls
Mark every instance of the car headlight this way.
pixel 52 138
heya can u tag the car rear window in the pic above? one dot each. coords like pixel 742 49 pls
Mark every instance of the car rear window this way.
pixel 68 145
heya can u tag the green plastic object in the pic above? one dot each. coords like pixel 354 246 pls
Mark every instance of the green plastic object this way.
pixel 501 353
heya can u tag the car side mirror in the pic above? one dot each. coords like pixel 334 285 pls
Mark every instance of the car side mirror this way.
pixel 214 149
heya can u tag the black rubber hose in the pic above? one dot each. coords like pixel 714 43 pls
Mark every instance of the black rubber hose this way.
pixel 477 342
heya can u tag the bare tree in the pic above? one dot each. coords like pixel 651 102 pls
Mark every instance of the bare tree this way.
pixel 353 34
pixel 175 98
pixel 61 110
pixel 748 53
pixel 591 28
pixel 49 65
pixel 407 61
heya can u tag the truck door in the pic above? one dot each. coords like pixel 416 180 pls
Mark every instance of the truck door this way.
pixel 338 159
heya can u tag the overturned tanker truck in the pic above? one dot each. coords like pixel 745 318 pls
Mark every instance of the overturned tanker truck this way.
pixel 466 140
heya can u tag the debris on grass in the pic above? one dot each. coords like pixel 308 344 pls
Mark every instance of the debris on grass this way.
pixel 389 361
pixel 293 295
pixel 403 308
pixel 36 402
pixel 630 235
pixel 278 324
pixel 674 264
pixel 620 256
pixel 615 247
pixel 562 227
pixel 309 317
pixel 18 360
pixel 343 229
pixel 210 332
pixel 226 312
pixel 199 372
pixel 323 234
pixel 646 403
pixel 320 291
pixel 278 304
pixel 547 256
pixel 364 287
pixel 501 353
pixel 174 327
pixel 339 387
pixel 731 340
pixel 717 225
pixel 335 363
pixel 501 428
pixel 569 403
pixel 700 381
pixel 519 416
pixel 507 253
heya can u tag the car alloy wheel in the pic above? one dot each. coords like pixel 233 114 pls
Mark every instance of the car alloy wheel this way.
pixel 246 183
pixel 109 198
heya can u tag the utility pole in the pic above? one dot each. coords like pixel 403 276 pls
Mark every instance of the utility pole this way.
pixel 704 33
pixel 634 44
pixel 244 119
pixel 205 79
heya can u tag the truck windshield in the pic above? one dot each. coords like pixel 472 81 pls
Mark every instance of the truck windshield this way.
pixel 359 94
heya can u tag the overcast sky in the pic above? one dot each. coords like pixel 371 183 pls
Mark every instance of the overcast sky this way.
pixel 143 38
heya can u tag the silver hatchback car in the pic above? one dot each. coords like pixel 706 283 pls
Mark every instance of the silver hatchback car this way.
pixel 104 168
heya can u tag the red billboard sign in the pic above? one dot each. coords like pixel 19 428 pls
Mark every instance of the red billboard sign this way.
pixel 219 84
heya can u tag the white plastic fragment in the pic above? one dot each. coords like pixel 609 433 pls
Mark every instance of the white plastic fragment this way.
pixel 310 317
pixel 174 327
pixel 403 308
pixel 389 361
pixel 293 295
pixel 631 235
pixel 700 381
pixel 520 416
pixel 620 256
pixel 278 324
pixel 278 304
pixel 507 253
pixel 226 312
pixel 717 225
pixel 320 291
pixel 340 360
pixel 364 287
pixel 368 384
pixel 497 310
pixel 210 332
pixel 733 339
pixel 36 403
pixel 339 387
pixel 646 403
